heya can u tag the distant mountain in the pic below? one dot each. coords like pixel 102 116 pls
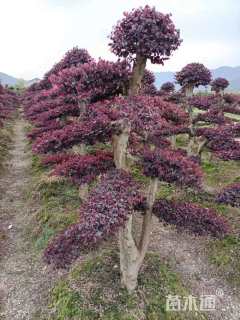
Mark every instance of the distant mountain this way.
pixel 232 74
pixel 6 79
pixel 9 80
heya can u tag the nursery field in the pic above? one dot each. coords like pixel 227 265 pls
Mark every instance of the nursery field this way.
pixel 178 262
pixel 120 200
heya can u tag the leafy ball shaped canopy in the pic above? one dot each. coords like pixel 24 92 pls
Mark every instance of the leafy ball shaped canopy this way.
pixel 193 74
pixel 72 58
pixel 147 33
pixel 168 87
pixel 93 81
pixel 219 84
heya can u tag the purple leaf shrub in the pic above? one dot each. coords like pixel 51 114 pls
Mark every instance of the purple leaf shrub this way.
pixel 101 216
pixel 192 217
pixel 130 37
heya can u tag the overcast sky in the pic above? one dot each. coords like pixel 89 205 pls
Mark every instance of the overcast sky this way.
pixel 36 33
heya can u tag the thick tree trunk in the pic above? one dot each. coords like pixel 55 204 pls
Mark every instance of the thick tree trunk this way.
pixel 82 149
pixel 137 75
pixel 189 93
pixel 201 146
pixel 82 108
pixel 129 257
pixel 173 141
pixel 147 219
pixel 131 254
pixel 83 191
pixel 120 143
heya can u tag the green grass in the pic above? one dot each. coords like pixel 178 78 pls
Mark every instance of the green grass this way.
pixel 220 173
pixel 166 191
pixel 182 140
pixel 59 205
pixel 93 291
pixel 232 116
pixel 225 255
pixel 6 133
pixel 138 175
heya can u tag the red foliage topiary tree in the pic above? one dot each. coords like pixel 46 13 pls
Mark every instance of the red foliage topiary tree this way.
pixel 219 84
pixel 129 124
pixel 167 87
pixel 193 75
pixel 135 128
pixel 143 34
pixel 230 195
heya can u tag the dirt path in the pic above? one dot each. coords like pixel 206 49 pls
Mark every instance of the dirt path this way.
pixel 24 281
pixel 186 254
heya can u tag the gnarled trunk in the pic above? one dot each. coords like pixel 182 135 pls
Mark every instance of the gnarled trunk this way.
pixel 173 140
pixel 131 253
pixel 129 257
pixel 189 93
pixel 83 191
pixel 137 75
pixel 82 108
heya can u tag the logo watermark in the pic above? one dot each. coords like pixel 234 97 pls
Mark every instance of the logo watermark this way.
pixel 205 303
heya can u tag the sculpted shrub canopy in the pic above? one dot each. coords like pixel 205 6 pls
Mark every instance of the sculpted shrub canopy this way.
pixel 8 103
pixel 221 141
pixel 148 86
pixel 198 220
pixel 202 102
pixel 147 33
pixel 219 84
pixel 82 169
pixel 93 81
pixel 230 195
pixel 172 167
pixel 194 74
pixel 146 114
pixel 73 58
pixel 168 87
pixel 105 211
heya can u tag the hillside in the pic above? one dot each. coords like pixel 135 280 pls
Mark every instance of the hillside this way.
pixel 6 79
pixel 232 74
pixel 9 80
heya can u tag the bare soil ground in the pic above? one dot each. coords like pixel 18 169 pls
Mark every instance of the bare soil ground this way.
pixel 187 255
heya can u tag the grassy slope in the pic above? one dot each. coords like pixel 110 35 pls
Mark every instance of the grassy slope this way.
pixel 60 204
pixel 5 141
